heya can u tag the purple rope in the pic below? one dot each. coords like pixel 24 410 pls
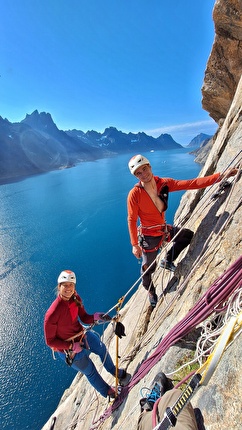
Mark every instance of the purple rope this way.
pixel 214 297
pixel 217 293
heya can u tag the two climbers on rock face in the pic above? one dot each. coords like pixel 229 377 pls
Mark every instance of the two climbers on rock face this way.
pixel 65 334
pixel 147 201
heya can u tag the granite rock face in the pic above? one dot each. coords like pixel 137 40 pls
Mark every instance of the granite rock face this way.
pixel 224 66
pixel 216 222
pixel 216 245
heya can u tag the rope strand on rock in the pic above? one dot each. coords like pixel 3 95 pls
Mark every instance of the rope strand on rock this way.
pixel 164 345
pixel 213 298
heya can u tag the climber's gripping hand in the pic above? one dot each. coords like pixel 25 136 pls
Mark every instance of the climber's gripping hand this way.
pixel 102 317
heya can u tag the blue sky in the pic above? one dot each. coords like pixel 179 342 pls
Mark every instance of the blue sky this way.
pixel 137 65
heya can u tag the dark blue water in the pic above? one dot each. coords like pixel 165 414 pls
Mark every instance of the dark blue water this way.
pixel 70 219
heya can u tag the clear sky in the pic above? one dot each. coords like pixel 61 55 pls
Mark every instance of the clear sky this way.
pixel 137 65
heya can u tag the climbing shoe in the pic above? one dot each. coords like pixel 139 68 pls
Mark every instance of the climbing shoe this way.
pixel 124 378
pixel 161 384
pixel 164 264
pixel 153 299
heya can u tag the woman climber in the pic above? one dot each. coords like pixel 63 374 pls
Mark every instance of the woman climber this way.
pixel 65 334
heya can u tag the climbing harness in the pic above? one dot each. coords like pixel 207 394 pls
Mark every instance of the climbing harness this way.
pixel 164 235
pixel 203 374
pixel 69 354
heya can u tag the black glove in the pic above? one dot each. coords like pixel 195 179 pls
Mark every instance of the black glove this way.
pixel 119 329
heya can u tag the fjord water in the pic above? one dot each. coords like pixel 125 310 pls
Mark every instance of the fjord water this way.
pixel 67 219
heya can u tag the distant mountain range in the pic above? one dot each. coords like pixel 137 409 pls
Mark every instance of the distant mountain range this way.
pixel 35 145
pixel 199 141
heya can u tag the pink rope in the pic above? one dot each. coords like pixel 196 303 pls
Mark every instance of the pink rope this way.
pixel 214 297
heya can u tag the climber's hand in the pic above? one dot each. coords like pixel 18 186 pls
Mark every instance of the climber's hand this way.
pixel 101 316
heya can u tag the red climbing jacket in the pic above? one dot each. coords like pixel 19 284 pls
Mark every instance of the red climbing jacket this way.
pixel 140 204
pixel 62 322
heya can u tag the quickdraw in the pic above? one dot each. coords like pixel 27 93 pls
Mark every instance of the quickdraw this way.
pixel 222 187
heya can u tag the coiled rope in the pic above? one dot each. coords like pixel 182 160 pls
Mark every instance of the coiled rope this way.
pixel 213 298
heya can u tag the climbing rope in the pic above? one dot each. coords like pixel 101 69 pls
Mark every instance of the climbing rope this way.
pixel 214 297
pixel 203 374
pixel 132 288
pixel 182 286
pixel 211 329
pixel 186 280
pixel 183 224
pixel 145 368
pixel 178 294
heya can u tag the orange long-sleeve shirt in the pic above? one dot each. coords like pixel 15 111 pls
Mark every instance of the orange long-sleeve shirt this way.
pixel 141 206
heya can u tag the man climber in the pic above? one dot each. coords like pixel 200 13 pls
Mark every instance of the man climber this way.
pixel 162 396
pixel 148 201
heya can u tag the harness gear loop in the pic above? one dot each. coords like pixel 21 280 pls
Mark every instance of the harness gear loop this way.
pixel 163 229
pixel 69 357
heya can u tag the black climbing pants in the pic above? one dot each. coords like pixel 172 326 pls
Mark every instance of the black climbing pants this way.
pixel 150 248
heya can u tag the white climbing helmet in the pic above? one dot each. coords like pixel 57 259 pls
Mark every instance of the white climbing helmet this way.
pixel 137 161
pixel 67 276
